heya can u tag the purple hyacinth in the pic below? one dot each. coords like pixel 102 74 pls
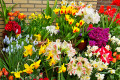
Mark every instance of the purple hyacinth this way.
pixel 98 36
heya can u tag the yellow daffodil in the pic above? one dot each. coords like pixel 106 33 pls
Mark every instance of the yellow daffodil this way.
pixel 28 50
pixel 42 49
pixel 67 17
pixel 37 64
pixel 47 17
pixel 56 11
pixel 81 22
pixel 17 74
pixel 32 15
pixel 38 37
pixel 28 69
pixel 71 21
pixel 39 16
pixel 50 55
pixel 76 29
pixel 57 27
pixel 52 61
pixel 62 69
pixel 77 24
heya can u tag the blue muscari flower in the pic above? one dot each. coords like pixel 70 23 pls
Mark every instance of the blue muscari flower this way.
pixel 27 42
pixel 27 36
pixel 4 41
pixel 22 44
pixel 33 49
pixel 8 42
pixel 11 50
pixel 3 49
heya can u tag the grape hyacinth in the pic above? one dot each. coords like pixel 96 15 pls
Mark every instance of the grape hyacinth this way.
pixel 98 36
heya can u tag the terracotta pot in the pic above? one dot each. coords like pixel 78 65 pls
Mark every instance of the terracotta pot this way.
pixel 83 45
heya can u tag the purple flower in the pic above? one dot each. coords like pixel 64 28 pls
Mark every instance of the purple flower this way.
pixel 98 36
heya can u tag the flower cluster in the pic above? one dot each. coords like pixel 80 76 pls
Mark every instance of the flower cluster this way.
pixel 35 16
pixel 81 67
pixel 111 13
pixel 13 26
pixel 89 14
pixel 17 14
pixel 98 36
pixel 55 49
pixel 116 2
pixel 52 30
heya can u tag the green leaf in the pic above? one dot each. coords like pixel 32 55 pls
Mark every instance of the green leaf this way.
pixel 10 8
pixel 79 41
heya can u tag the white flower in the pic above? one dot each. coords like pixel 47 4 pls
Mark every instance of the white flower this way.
pixel 96 18
pixel 112 71
pixel 72 3
pixel 107 47
pixel 52 29
pixel 118 49
pixel 113 38
pixel 94 48
pixel 118 43
pixel 80 12
pixel 90 55
pixel 64 3
pixel 100 76
pixel 81 3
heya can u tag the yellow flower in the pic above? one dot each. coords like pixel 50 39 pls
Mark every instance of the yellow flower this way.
pixel 57 27
pixel 42 49
pixel 62 69
pixel 71 21
pixel 67 17
pixel 28 69
pixel 28 50
pixel 48 42
pixel 73 12
pixel 32 15
pixel 56 24
pixel 63 7
pixel 50 55
pixel 39 16
pixel 37 64
pixel 56 11
pixel 82 41
pixel 81 22
pixel 47 17
pixel 76 29
pixel 77 24
pixel 52 61
pixel 62 11
pixel 17 74
pixel 38 37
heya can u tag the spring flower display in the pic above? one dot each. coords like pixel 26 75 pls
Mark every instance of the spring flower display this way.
pixel 70 42
pixel 98 36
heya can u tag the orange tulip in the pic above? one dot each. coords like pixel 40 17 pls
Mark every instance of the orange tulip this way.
pixel 115 53
pixel 114 60
pixel 3 70
pixel 15 14
pixel 10 14
pixel 1 74
pixel 10 78
pixel 118 56
pixel 11 18
pixel 6 73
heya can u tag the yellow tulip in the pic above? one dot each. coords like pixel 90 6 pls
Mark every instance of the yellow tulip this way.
pixel 81 22
pixel 56 11
pixel 76 29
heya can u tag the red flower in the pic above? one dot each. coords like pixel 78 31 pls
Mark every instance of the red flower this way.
pixel 41 79
pixel 116 2
pixel 34 79
pixel 105 55
pixel 101 10
pixel 90 26
pixel 108 7
pixel 46 78
pixel 9 26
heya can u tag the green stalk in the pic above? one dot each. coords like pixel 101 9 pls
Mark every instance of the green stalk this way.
pixel 59 65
